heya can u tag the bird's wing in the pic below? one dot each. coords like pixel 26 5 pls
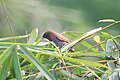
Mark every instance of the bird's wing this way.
pixel 62 38
pixel 58 42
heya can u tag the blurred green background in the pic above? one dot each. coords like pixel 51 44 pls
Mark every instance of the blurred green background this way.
pixel 58 15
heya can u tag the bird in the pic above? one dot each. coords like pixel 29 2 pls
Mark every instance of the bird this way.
pixel 57 38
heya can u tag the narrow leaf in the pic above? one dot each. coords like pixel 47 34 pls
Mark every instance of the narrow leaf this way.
pixel 33 36
pixel 37 63
pixel 5 68
pixel 106 35
pixel 78 61
pixel 97 38
pixel 86 44
pixel 107 20
pixel 80 53
pixel 16 65
pixel 71 44
pixel 16 37
pixel 6 54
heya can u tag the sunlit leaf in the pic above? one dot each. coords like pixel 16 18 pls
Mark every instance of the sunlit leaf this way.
pixel 16 37
pixel 88 45
pixel 24 56
pixel 33 36
pixel 72 34
pixel 74 42
pixel 106 35
pixel 97 38
pixel 107 20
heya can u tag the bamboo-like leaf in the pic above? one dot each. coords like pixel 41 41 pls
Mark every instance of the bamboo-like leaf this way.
pixel 16 65
pixel 106 35
pixel 5 68
pixel 71 44
pixel 90 63
pixel 72 34
pixel 107 20
pixel 86 44
pixel 6 54
pixel 97 38
pixel 33 36
pixel 37 63
pixel 16 37
pixel 77 61
pixel 8 44
pixel 25 57
pixel 80 53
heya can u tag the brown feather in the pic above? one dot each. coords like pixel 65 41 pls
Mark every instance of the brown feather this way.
pixel 59 36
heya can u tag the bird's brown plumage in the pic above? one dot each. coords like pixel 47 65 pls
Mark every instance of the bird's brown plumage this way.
pixel 52 34
pixel 57 38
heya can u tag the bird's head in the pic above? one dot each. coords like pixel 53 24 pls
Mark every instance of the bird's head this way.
pixel 50 35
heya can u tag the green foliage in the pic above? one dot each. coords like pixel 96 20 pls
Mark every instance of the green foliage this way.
pixel 29 57
pixel 40 60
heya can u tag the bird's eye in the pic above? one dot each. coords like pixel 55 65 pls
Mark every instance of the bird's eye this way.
pixel 45 35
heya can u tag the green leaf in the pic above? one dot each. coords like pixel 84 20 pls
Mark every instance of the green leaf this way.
pixel 117 38
pixel 16 37
pixel 106 35
pixel 80 53
pixel 8 44
pixel 5 68
pixel 37 42
pixel 71 44
pixel 16 65
pixel 97 38
pixel 107 20
pixel 77 61
pixel 78 71
pixel 33 36
pixel 68 74
pixel 86 44
pixel 72 34
pixel 37 63
pixel 6 54
pixel 24 56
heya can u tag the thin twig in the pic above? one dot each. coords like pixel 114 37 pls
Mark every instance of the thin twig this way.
pixel 92 72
